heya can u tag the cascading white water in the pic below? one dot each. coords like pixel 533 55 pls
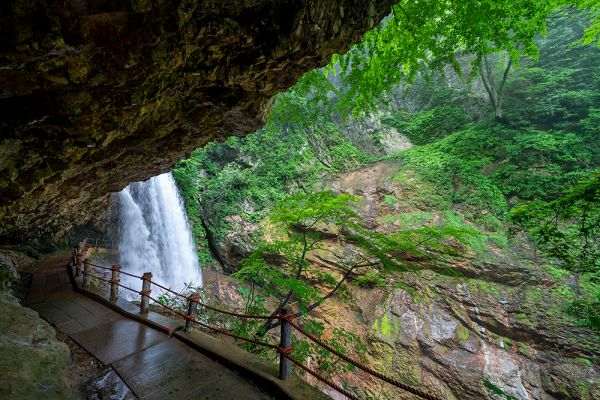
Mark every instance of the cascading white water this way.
pixel 153 235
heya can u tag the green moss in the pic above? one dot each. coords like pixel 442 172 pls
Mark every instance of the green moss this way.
pixel 534 295
pixel 407 220
pixel 584 390
pixel 369 279
pixel 388 219
pixel 555 272
pixel 390 200
pixel 477 242
pixel 585 361
pixel 497 391
pixel 462 333
pixel 401 177
pixel 562 292
pixel 523 348
pixel 415 296
pixel 409 366
pixel 414 219
pixel 589 286
pixel 500 240
pixel 507 342
pixel 482 286
pixel 522 317
pixel 383 325
pixel 384 355
pixel 490 223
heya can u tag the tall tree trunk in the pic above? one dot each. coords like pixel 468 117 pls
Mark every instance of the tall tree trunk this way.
pixel 495 94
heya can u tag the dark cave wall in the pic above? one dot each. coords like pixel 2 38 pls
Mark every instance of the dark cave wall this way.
pixel 96 94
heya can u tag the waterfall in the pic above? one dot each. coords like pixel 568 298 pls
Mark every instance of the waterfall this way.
pixel 153 235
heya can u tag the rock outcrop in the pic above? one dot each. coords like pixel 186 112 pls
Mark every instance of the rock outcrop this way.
pixel 468 326
pixel 32 361
pixel 96 94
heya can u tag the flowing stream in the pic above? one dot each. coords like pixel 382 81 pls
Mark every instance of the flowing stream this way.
pixel 153 235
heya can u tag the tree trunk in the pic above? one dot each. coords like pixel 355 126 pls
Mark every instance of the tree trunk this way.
pixel 494 93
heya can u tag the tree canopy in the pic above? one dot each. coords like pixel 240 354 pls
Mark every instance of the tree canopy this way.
pixel 432 33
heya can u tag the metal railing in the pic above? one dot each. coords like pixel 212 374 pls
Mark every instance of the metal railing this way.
pixel 83 267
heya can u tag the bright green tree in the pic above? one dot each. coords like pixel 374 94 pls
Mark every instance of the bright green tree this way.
pixel 568 230
pixel 282 269
pixel 432 34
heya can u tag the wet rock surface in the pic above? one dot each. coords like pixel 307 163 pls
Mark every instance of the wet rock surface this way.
pixel 90 379
pixel 32 361
pixel 97 94
pixel 108 386
pixel 462 325
pixel 499 323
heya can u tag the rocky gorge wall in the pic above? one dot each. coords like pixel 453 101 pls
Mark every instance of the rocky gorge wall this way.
pixel 463 327
pixel 97 93
pixel 33 362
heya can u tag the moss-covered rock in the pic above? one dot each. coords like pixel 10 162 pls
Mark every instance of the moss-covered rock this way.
pixel 498 321
pixel 33 363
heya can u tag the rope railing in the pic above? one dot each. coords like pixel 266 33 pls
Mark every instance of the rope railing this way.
pixel 220 310
pixel 187 317
pixel 131 275
pixel 98 242
pixel 323 379
pixel 285 350
pixel 111 282
pixel 106 268
pixel 359 365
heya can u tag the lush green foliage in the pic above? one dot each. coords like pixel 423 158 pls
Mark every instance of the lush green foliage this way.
pixel 301 226
pixel 299 142
pixel 560 89
pixel 467 170
pixel 432 34
pixel 306 221
pixel 548 141
pixel 567 229
pixel 428 126
pixel 484 165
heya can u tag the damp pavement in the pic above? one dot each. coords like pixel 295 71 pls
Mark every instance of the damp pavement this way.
pixel 144 362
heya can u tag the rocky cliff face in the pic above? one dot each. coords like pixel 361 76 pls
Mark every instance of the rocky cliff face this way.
pixel 96 94
pixel 492 318
pixel 489 318
pixel 33 362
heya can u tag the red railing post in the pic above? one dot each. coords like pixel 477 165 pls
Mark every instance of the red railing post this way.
pixel 114 282
pixel 193 301
pixel 285 345
pixel 87 270
pixel 146 282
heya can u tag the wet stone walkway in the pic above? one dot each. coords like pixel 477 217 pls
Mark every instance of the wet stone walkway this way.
pixel 151 364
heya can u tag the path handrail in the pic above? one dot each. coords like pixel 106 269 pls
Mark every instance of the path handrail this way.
pixel 232 313
pixel 284 350
pixel 104 242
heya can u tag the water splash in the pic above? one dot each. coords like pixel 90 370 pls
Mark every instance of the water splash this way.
pixel 153 234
